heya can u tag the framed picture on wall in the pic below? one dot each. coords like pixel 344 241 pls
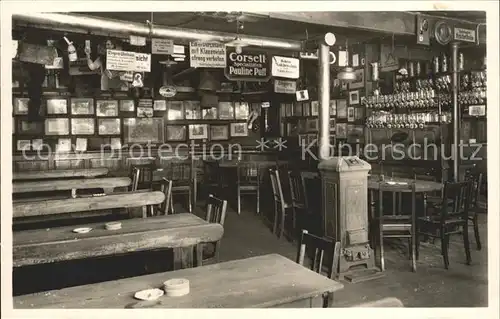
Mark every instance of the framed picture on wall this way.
pixel 306 108
pixel 63 145
pixel 226 111
pixel 56 126
pixel 358 113
pixel 23 145
pixel 241 110
pixel 37 144
pixel 333 107
pixel 239 129
pixel 176 133
pixel 341 109
pixel 175 110
pixel 143 130
pixel 109 126
pixel 192 110
pixel 145 111
pixel 219 132
pixel 198 131
pixel 81 144
pixel 21 105
pixel 160 105
pixel 297 109
pixel 312 125
pixel 314 108
pixel 107 108
pixel 354 97
pixel 127 106
pixel 82 106
pixel 82 126
pixel 57 106
pixel 332 125
pixel 359 82
pixel 350 114
pixel 116 143
pixel 27 127
pixel 341 130
pixel 210 114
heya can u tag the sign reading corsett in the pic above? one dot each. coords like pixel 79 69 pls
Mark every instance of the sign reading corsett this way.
pixel 247 66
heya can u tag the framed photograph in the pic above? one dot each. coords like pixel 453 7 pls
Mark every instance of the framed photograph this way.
pixel 332 124
pixel 359 82
pixel 288 110
pixel 226 111
pixel 241 110
pixel 145 111
pixel 81 144
pixel 143 130
pixel 192 110
pixel 297 109
pixel 282 110
pixel 57 126
pixel 238 129
pixel 353 97
pixel 63 145
pixel 198 131
pixel 175 110
pixel 341 109
pixel 23 145
pixel 127 106
pixel 359 113
pixel 37 144
pixel 82 126
pixel 116 143
pixel 176 133
pixel 209 114
pixel 160 105
pixel 109 126
pixel 333 107
pixel 32 128
pixel 107 108
pixel 21 105
pixel 57 106
pixel 314 108
pixel 350 114
pixel 312 125
pixel 82 106
pixel 341 130
pixel 219 132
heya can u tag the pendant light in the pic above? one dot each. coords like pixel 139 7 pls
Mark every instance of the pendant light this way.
pixel 347 74
pixel 237 42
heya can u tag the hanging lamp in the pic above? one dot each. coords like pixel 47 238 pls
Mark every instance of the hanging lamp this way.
pixel 347 74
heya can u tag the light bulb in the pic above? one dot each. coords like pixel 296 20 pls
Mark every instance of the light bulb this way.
pixel 238 49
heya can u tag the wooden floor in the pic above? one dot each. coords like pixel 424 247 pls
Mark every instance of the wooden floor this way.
pixel 247 235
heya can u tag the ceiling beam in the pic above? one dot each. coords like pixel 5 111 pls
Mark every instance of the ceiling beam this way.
pixel 390 22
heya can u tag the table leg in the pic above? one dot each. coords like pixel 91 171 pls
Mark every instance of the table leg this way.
pixel 183 257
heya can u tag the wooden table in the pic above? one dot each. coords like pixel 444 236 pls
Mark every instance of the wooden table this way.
pixel 264 164
pixel 108 184
pixel 257 282
pixel 421 186
pixel 32 247
pixel 84 204
pixel 66 173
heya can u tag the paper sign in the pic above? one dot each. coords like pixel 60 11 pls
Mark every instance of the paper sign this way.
pixel 162 46
pixel 302 95
pixel 137 41
pixel 465 35
pixel 127 76
pixel 355 60
pixel 285 67
pixel 286 87
pixel 128 61
pixel 207 55
pixel 477 110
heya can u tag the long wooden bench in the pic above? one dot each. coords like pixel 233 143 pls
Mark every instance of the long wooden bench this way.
pixel 74 205
pixel 257 282
pixel 108 184
pixel 32 247
pixel 59 174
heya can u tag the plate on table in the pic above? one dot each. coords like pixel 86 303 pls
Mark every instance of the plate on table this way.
pixel 149 294
pixel 82 230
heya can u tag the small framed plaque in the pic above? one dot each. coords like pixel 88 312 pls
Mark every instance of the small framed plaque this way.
pixel 241 110
pixel 210 114
pixel 350 114
pixel 127 106
pixel 57 126
pixel 354 97
pixel 219 132
pixel 226 111
pixel 342 109
pixel 341 130
pixel 57 106
pixel 192 110
pixel 107 108
pixel 21 105
pixel 198 131
pixel 160 105
pixel 239 129
pixel 175 110
pixel 312 125
pixel 176 133
pixel 109 126
pixel 82 106
pixel 82 126
pixel 314 108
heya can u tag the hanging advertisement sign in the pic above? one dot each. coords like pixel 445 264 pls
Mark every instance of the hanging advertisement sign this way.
pixel 207 54
pixel 128 61
pixel 247 66
pixel 286 87
pixel 466 35
pixel 285 67
pixel 162 46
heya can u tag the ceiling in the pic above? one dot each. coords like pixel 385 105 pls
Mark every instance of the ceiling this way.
pixel 471 16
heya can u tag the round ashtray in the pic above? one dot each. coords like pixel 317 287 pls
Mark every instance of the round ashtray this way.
pixel 149 294
pixel 82 230
pixel 113 226
pixel 176 287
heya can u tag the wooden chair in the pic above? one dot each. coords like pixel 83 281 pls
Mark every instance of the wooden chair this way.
pixel 167 205
pixel 311 183
pixel 248 179
pixel 181 174
pixel 211 177
pixel 321 247
pixel 402 225
pixel 476 180
pixel 135 179
pixel 280 205
pixel 215 213
pixel 449 219
pixel 145 179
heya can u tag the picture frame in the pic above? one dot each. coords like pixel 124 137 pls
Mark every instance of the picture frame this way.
pixel 143 130
pixel 127 106
pixel 175 110
pixel 23 145
pixel 297 109
pixel 350 114
pixel 238 129
pixel 342 109
pixel 37 144
pixel 358 113
pixel 82 106
pixel 31 128
pixel 226 111
pixel 241 110
pixel 306 109
pixel 219 132
pixel 116 143
pixel 21 105
pixel 57 126
pixel 159 105
pixel 109 126
pixel 333 107
pixel 192 110
pixel 288 110
pixel 145 111
pixel 107 108
pixel 81 144
pixel 82 126
pixel 198 131
pixel 341 130
pixel 63 145
pixel 354 97
pixel 209 114
pixel 312 125
pixel 314 108
pixel 176 133
pixel 57 106
pixel 282 110
pixel 359 82
pixel 332 124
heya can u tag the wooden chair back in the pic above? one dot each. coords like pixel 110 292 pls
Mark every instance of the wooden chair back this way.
pixel 459 193
pixel 145 179
pixel 135 179
pixel 296 189
pixel 320 246
pixel 211 172
pixel 476 180
pixel 216 210
pixel 276 186
pixel 311 182
pixel 180 172
pixel 248 173
pixel 397 188
pixel 166 188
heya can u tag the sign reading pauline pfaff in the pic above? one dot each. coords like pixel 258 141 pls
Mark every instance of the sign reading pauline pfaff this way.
pixel 247 66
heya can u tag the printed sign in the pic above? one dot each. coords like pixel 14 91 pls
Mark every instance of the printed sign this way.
pixel 247 66
pixel 287 87
pixel 477 110
pixel 128 61
pixel 466 35
pixel 302 95
pixel 162 46
pixel 207 55
pixel 285 67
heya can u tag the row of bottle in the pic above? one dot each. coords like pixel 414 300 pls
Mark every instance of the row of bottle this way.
pixel 472 80
pixel 472 97
pixel 420 99
pixel 411 121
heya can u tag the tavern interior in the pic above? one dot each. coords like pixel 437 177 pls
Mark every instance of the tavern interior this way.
pixel 383 78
